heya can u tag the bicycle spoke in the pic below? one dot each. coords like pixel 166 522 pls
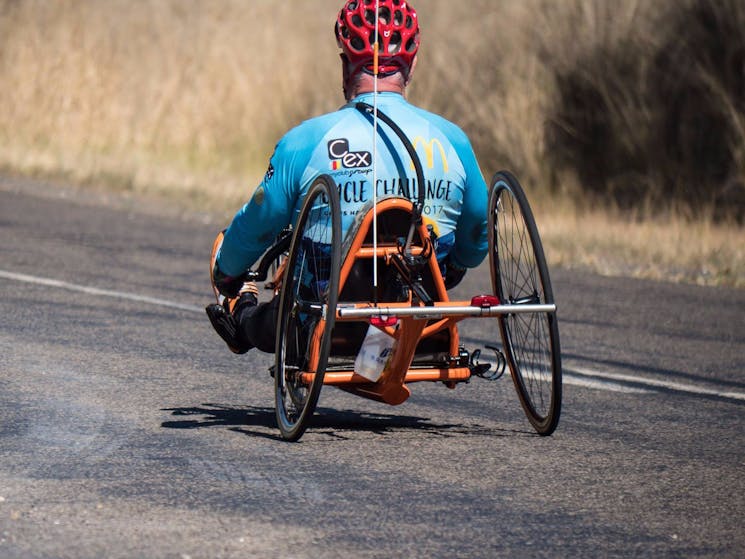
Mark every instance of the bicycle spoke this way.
pixel 308 295
pixel 520 277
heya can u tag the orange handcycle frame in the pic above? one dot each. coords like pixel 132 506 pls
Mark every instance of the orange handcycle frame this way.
pixel 406 322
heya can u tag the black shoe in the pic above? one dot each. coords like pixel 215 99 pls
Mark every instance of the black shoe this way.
pixel 224 321
pixel 226 326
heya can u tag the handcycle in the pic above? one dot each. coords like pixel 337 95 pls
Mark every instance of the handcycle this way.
pixel 329 309
pixel 326 310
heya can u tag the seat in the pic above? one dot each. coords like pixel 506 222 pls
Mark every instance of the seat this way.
pixel 356 283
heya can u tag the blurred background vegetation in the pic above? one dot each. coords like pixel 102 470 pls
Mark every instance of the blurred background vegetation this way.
pixel 623 111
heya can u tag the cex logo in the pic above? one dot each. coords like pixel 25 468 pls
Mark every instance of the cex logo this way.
pixel 429 152
pixel 341 156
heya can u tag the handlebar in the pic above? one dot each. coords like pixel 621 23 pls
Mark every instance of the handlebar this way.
pixel 282 244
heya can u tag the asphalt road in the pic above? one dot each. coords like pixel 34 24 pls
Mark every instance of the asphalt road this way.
pixel 128 430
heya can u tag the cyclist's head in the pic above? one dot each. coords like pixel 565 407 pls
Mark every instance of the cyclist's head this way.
pixel 398 37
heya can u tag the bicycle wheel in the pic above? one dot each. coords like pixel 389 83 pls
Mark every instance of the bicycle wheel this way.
pixel 520 276
pixel 307 308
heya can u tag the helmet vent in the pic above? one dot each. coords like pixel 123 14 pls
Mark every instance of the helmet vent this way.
pixel 411 45
pixel 357 44
pixel 384 15
pixel 394 44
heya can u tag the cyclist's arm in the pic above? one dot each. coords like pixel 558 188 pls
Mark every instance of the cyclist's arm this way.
pixel 471 242
pixel 258 223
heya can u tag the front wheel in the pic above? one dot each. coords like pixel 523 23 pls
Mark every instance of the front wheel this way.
pixel 307 308
pixel 520 276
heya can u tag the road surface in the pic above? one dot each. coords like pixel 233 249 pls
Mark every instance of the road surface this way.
pixel 128 430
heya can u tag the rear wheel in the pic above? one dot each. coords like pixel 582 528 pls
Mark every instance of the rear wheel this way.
pixel 307 308
pixel 520 276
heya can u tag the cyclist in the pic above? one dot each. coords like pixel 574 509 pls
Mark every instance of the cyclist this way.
pixel 340 144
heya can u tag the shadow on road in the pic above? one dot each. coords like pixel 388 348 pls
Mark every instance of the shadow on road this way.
pixel 219 415
pixel 332 423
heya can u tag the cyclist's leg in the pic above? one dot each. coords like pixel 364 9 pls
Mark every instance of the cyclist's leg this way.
pixel 258 323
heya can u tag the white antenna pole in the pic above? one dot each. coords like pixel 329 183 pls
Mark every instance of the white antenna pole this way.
pixel 375 147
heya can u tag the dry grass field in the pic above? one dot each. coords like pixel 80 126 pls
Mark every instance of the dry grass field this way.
pixel 186 99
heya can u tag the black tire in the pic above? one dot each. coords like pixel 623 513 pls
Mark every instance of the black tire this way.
pixel 310 289
pixel 520 275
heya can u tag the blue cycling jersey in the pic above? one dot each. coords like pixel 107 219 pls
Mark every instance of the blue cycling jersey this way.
pixel 340 144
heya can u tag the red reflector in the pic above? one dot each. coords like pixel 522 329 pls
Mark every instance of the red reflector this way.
pixel 485 301
pixel 382 322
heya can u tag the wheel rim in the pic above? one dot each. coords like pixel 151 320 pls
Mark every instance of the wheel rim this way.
pixel 310 284
pixel 527 337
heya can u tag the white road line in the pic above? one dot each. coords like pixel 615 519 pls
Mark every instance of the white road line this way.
pixel 611 382
pixel 98 292
pixel 599 384
pixel 656 383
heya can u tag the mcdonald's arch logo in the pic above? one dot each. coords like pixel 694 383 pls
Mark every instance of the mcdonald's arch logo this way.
pixel 429 152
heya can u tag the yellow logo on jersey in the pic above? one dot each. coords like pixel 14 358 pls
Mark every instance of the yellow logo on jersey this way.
pixel 429 151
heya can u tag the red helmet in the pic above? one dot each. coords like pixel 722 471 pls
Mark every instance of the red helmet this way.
pixel 398 35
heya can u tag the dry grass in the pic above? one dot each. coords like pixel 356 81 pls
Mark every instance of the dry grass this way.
pixel 670 247
pixel 181 96
pixel 186 98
